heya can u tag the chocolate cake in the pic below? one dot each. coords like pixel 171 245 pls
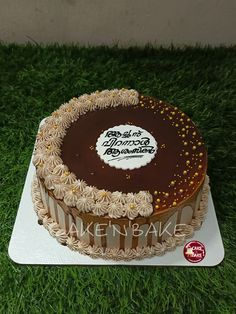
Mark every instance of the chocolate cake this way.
pixel 120 175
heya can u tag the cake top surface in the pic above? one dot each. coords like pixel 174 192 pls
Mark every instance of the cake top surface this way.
pixel 167 149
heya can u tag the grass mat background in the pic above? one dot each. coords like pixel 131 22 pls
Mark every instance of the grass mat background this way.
pixel 34 81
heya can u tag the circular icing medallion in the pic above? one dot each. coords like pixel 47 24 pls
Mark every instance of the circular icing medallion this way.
pixel 126 147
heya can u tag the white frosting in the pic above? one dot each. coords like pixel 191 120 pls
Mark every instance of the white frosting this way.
pixel 60 190
pixel 131 198
pixel 100 208
pixel 131 210
pixel 118 197
pixel 103 196
pixel 54 161
pixel 145 209
pixel 84 204
pixel 79 185
pixel 115 210
pixel 144 196
pixel 71 197
pixel 68 177
pixel 50 181
pixel 90 191
pixel 60 169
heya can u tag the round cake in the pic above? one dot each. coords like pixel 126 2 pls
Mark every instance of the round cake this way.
pixel 120 175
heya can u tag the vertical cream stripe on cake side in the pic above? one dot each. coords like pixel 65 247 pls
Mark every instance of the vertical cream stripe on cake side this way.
pixel 113 236
pixel 168 228
pixel 97 237
pixel 42 191
pixel 61 216
pixel 129 238
pixel 155 231
pixel 52 209
pixel 186 215
pixel 72 227
pixel 83 234
pixel 142 239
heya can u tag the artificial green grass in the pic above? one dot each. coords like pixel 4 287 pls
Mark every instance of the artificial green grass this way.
pixel 34 81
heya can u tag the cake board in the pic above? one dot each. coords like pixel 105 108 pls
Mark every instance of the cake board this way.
pixel 32 244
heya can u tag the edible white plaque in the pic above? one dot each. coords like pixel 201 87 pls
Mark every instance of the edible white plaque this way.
pixel 126 147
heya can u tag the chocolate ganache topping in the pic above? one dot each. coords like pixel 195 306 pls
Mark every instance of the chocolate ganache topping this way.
pixel 176 169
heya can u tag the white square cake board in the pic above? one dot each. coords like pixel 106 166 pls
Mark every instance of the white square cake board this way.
pixel 32 244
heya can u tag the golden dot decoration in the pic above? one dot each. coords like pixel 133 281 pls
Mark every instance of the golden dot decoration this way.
pixel 174 203
pixel 187 162
pixel 166 194
pixel 200 154
pixel 158 200
pixel 155 192
pixel 194 147
pixel 199 143
pixel 185 143
pixel 184 172
pixel 156 206
pixel 172 183
pixel 200 167
pixel 186 153
pixel 181 191
pixel 194 133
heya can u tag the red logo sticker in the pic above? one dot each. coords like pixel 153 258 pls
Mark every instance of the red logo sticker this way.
pixel 194 251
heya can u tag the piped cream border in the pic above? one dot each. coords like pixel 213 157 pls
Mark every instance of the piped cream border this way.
pixel 118 254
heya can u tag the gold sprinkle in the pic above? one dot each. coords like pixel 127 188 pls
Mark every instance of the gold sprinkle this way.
pixel 201 154
pixel 183 135
pixel 132 206
pixel 194 147
pixel 172 183
pixel 162 112
pixel 186 153
pixel 142 105
pixel 187 162
pixel 173 113
pixel 174 203
pixel 176 125
pixel 191 182
pixel 199 143
pixel 200 167
pixel 185 143
pixel 181 120
pixel 155 192
pixel 182 114
pixel 187 126
pixel 184 172
pixel 196 174
pixel 183 129
pixel 156 206
pixel 194 133
pixel 166 194
pixel 181 191
pixel 158 200
pixel 188 119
